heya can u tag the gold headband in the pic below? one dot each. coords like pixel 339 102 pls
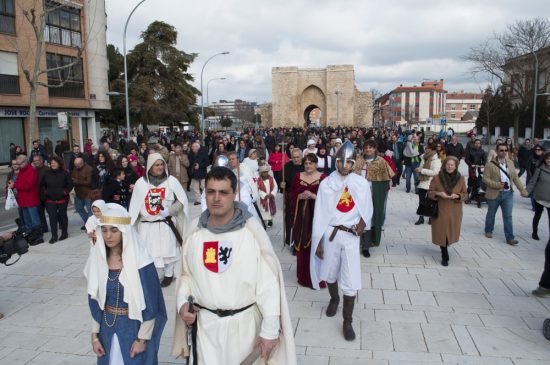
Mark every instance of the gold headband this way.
pixel 114 220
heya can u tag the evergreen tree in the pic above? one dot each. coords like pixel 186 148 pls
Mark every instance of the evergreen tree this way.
pixel 158 79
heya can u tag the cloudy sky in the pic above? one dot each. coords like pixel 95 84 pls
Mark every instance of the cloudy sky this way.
pixel 389 42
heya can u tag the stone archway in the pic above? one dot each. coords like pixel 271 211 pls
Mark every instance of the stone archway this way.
pixel 309 117
pixel 313 98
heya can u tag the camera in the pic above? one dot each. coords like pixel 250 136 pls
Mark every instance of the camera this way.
pixel 18 244
pixel 506 185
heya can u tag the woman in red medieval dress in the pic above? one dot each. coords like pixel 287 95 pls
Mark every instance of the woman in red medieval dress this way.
pixel 304 192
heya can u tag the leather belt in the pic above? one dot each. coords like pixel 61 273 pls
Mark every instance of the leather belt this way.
pixel 116 311
pixel 168 221
pixel 225 312
pixel 341 228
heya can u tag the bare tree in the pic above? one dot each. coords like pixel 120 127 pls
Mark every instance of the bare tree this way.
pixel 508 58
pixel 32 51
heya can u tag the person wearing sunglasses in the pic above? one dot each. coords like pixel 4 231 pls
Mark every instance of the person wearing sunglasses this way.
pixel 499 175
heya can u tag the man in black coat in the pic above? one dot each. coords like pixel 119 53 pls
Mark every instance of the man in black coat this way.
pixel 269 141
pixel 198 162
pixel 455 149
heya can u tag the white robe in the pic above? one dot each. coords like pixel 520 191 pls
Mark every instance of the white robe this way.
pixel 266 214
pixel 159 239
pixel 253 276
pixel 326 216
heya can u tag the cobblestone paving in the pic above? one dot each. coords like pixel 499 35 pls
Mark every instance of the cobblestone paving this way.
pixel 411 310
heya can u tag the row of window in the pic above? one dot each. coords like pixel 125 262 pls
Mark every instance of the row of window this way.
pixel 464 107
pixel 65 75
pixel 62 23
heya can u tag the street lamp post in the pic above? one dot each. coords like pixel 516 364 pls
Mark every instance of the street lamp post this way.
pixel 338 93
pixel 535 87
pixel 202 94
pixel 207 84
pixel 126 70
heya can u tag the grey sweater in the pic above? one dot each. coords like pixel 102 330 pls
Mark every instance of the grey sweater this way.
pixel 539 184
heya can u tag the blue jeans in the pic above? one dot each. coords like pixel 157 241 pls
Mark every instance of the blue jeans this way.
pixel 31 217
pixel 83 207
pixel 409 171
pixel 504 200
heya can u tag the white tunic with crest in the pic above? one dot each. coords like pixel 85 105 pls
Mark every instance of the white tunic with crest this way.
pixel 228 271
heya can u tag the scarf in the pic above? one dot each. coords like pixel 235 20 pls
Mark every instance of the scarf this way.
pixel 267 203
pixel 427 163
pixel 237 222
pixel 449 181
pixel 157 180
pixel 326 168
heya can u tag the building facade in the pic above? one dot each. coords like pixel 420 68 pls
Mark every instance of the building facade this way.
pixel 460 105
pixel 417 106
pixel 73 66
pixel 296 92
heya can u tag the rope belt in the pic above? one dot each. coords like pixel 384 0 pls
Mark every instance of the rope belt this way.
pixel 225 312
pixel 341 228
pixel 116 311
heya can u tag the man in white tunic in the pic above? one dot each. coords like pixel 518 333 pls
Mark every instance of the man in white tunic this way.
pixel 159 210
pixel 231 271
pixel 343 209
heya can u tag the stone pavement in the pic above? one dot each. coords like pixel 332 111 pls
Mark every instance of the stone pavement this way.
pixel 479 310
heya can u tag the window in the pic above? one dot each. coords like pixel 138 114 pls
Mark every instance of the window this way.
pixel 67 82
pixel 453 106
pixel 7 16
pixel 464 106
pixel 453 115
pixel 63 25
pixel 9 73
pixel 472 107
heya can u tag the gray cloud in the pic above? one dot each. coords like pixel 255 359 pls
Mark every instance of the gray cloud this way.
pixel 389 43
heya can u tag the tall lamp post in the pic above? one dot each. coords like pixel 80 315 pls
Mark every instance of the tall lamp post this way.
pixel 207 84
pixel 126 70
pixel 202 94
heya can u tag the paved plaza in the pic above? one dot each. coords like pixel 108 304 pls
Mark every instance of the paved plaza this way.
pixel 479 310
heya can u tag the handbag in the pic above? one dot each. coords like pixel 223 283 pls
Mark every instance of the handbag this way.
pixel 11 201
pixel 428 208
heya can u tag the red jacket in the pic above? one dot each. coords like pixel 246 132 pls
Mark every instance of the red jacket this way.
pixel 27 187
pixel 275 159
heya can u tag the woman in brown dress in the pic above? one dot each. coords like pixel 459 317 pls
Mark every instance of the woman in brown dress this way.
pixel 449 189
pixel 304 192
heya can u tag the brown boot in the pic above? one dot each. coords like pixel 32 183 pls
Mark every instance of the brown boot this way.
pixel 347 312
pixel 334 299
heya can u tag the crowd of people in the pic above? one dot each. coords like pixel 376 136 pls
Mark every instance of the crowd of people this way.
pixel 335 182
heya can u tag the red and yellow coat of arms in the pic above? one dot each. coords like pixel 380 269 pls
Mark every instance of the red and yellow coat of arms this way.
pixel 217 255
pixel 346 203
pixel 153 200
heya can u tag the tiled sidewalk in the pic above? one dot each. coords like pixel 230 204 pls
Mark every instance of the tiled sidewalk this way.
pixel 479 310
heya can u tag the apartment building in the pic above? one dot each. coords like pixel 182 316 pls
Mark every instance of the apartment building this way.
pixel 417 105
pixel 461 106
pixel 74 34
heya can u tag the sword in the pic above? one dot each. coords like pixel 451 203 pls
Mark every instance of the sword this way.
pixel 253 356
pixel 190 309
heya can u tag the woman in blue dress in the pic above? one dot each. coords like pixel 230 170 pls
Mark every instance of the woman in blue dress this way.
pixel 124 294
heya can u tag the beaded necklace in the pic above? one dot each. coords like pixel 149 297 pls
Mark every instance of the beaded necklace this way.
pixel 117 300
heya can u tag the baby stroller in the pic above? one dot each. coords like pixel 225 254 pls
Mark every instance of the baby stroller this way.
pixel 476 187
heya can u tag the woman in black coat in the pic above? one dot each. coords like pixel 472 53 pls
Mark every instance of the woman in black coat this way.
pixel 56 183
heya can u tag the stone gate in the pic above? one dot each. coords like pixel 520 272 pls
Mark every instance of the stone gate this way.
pixel 296 92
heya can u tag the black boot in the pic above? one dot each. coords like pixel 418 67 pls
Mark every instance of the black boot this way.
pixel 429 221
pixel 334 299
pixel 444 256
pixel 366 252
pixel 419 221
pixel 347 313
pixel 166 281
